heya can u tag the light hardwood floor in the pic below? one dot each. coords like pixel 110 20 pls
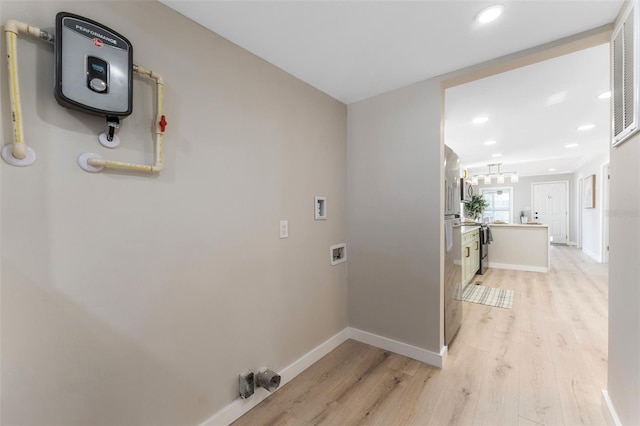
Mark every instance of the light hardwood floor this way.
pixel 544 362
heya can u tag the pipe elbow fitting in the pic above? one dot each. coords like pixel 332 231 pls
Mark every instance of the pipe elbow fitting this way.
pixel 13 26
pixel 16 27
pixel 157 168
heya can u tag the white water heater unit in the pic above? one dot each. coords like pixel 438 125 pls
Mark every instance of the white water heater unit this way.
pixel 94 67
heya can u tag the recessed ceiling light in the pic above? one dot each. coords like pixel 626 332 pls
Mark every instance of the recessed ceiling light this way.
pixel 490 14
pixel 497 155
pixel 571 145
pixel 552 170
pixel 605 95
pixel 490 142
pixel 480 120
pixel 586 127
pixel 557 98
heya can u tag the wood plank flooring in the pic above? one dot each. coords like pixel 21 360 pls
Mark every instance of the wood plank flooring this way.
pixel 544 362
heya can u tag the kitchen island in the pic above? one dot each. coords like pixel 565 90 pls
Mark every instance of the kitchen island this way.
pixel 522 247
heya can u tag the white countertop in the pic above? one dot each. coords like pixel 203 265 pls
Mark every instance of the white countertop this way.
pixel 468 228
pixel 520 225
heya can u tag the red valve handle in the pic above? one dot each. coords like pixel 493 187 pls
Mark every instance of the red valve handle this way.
pixel 163 123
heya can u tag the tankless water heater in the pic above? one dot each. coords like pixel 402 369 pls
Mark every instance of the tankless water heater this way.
pixel 94 67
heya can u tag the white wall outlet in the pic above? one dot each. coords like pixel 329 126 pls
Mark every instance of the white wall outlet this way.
pixel 320 208
pixel 284 229
pixel 338 253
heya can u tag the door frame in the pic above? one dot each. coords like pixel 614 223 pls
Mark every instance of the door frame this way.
pixel 579 211
pixel 561 47
pixel 606 181
pixel 566 193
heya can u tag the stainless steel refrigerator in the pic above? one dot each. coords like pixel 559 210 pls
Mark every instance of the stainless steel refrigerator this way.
pixel 452 255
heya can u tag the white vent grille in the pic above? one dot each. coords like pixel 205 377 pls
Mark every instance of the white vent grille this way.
pixel 618 104
pixel 625 71
pixel 629 77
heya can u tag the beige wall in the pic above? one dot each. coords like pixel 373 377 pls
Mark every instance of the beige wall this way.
pixel 130 299
pixel 591 221
pixel 394 163
pixel 624 277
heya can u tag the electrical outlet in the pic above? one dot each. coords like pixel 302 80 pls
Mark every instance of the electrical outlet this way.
pixel 247 384
pixel 284 229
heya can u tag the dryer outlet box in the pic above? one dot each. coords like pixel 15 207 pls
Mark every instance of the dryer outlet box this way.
pixel 247 384
pixel 94 67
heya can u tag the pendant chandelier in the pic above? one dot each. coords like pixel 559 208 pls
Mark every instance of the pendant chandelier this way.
pixel 513 176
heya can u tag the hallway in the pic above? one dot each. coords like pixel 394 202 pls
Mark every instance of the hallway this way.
pixel 542 362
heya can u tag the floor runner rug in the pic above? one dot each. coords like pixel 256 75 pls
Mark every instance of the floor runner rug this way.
pixel 488 296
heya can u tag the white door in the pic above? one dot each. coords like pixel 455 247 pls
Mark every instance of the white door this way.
pixel 550 207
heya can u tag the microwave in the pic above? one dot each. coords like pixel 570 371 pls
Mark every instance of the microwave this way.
pixel 466 190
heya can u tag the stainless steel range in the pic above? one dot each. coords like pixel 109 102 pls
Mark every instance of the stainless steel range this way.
pixel 485 240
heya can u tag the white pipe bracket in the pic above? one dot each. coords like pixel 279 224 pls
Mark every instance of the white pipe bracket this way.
pixel 83 162
pixel 7 155
pixel 104 140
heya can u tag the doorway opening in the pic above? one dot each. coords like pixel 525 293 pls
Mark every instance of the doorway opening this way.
pixel 518 141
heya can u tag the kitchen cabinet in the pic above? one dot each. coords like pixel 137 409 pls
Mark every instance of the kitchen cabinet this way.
pixel 470 254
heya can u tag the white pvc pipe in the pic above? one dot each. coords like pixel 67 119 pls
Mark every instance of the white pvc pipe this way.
pixel 159 133
pixel 19 149
pixel 159 130
pixel 11 30
pixel 20 154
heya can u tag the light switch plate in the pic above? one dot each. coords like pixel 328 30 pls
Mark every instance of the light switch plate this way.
pixel 284 229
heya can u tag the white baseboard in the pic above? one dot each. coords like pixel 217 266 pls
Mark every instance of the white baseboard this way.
pixel 428 357
pixel 610 411
pixel 240 406
pixel 518 267
pixel 592 255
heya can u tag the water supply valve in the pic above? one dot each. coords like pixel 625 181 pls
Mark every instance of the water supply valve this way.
pixel 163 124
pixel 109 139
